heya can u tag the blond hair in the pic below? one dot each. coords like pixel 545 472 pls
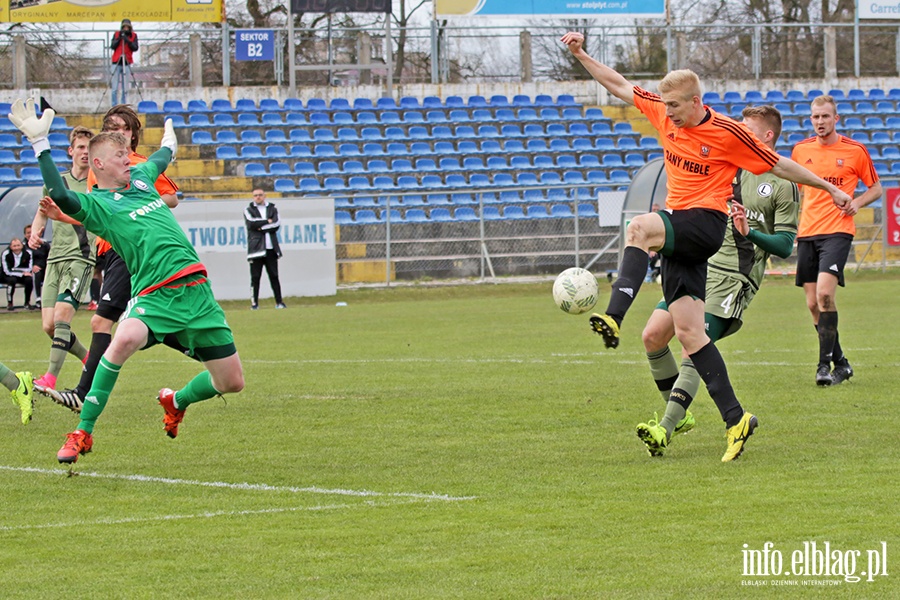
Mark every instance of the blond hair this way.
pixel 826 99
pixel 106 138
pixel 682 80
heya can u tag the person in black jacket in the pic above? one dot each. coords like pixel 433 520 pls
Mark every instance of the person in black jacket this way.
pixel 39 264
pixel 17 271
pixel 262 222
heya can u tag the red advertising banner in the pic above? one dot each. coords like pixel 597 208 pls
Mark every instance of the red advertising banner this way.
pixel 892 216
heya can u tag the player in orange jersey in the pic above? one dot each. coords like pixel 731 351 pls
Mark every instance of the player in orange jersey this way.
pixel 703 152
pixel 826 232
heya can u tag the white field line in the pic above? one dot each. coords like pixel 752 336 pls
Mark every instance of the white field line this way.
pixel 202 515
pixel 255 487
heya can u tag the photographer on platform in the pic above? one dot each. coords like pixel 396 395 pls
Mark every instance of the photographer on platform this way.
pixel 124 44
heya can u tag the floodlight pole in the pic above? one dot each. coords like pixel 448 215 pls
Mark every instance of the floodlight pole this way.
pixel 292 60
pixel 389 55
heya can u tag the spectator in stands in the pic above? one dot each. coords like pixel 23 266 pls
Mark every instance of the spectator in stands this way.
pixel 39 264
pixel 263 250
pixel 124 44
pixel 826 231
pixel 17 272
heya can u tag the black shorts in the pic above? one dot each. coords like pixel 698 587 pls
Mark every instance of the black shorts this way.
pixel 692 236
pixel 116 289
pixel 822 254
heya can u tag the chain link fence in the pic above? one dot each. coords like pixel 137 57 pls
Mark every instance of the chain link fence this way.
pixel 480 234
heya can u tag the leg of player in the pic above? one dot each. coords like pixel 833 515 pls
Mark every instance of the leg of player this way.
pixel 131 336
pixel 690 327
pixel 656 336
pixel 20 390
pixel 823 372
pixel 645 232
pixel 827 328
pixel 222 376
pixel 64 342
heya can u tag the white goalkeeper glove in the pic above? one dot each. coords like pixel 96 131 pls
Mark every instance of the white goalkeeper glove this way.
pixel 168 139
pixel 36 130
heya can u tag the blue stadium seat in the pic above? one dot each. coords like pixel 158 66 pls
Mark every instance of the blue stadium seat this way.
pixel 373 149
pixel 363 104
pixel 245 105
pixel 499 101
pixel 177 121
pixel 328 167
pixel 633 159
pixel 441 215
pixel 459 115
pixel 441 132
pixel 531 130
pixel 425 165
pixel 561 211
pixel 566 100
pixel 201 137
pixel 465 213
pixel 731 97
pixel 566 161
pixel 519 162
pixel 560 145
pixel 173 106
pixel 436 116
pixel 396 149
pixel 324 135
pixel 323 150
pixel 416 215
pixel 601 129
pixel 147 107
pixel 432 181
pixel 527 178
pixel 851 123
pixel 223 120
pixel 418 132
pixel 221 105
pixel 342 217
pixel 549 114
pixel 556 130
pixel 10 140
pixel 247 120
pixel 304 168
pixel 454 102
pixel 30 174
pixel 543 100
pixel 648 143
pixel 612 161
pixel 251 136
pixel 619 176
pixel 299 135
pixel 255 169
pixel 353 166
pixel 582 145
pixel 359 183
pixel 226 153
pixel 285 186
pixel 711 98
pixel 349 150
pixel 536 146
pixel 513 212
pixel 275 136
pixel 542 161
pixel 432 102
pixel 320 119
pixel 490 213
pixel 386 104
pixel 491 147
pixel 295 118
pixel 511 131
pixel 377 166
pixel 477 102
pixel 279 169
pixel 313 104
pixel 514 146
pixel 270 105
pixel 483 115
pixel 795 96
pixel 226 137
pixel 366 216
pixel 589 161
pixel 251 151
pixel 495 163
pixel 865 108
pixel 466 131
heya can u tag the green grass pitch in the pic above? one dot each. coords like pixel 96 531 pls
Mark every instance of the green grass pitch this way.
pixel 458 442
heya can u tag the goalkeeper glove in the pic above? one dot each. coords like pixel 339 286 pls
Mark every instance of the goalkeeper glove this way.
pixel 36 130
pixel 168 139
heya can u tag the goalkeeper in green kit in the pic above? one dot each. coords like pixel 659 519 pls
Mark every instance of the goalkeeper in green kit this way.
pixel 172 294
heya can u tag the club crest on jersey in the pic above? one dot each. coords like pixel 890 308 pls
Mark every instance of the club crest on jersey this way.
pixel 704 151
pixel 141 185
pixel 671 136
pixel 764 190
pixel 117 196
pixel 839 162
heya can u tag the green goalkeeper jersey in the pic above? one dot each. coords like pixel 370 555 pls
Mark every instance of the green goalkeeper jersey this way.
pixel 72 242
pixel 135 220
pixel 772 205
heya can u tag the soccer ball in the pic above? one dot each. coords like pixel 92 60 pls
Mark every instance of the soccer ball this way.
pixel 575 291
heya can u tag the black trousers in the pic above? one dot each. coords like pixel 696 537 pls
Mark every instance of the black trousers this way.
pixel 12 282
pixel 270 262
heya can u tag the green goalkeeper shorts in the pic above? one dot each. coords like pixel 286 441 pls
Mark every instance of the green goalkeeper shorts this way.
pixel 190 313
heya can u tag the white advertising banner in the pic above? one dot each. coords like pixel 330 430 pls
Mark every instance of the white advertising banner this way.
pixel 308 268
pixel 879 9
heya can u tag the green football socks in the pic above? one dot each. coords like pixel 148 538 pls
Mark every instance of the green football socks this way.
pixel 198 389
pixel 97 397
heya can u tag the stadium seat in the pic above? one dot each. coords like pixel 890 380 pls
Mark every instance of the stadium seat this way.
pixel 314 104
pixel 329 167
pixel 366 216
pixel 566 100
pixel 359 183
pixel 589 161
pixel 514 147
pixel 30 174
pixel 441 132
pixel 226 153
pixel 285 186
pixel 251 136
pixel 342 217
pixel 432 102
pixel 543 100
pixel 251 151
pixel 582 145
pixel 221 105
pixel 386 104
pixel 465 213
pixel 226 137
pixel 223 120
pixel 279 169
pixel 566 161
pixel 865 108
pixel 513 212
pixel 269 105
pixel 527 178
pixel 363 104
pixel 255 169
pixel 490 213
pixel 244 105
pixel 295 118
pixel 544 162
pixel 441 215
pixel 711 98
pixel 320 119
pixel 173 106
pixel 275 136
pixel 304 168
pixel 247 120
pixel 561 211
pixel 300 151
pixel 201 137
pixel 147 107
pixel 353 166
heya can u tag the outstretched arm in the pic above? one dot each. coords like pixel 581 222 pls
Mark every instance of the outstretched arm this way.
pixel 788 169
pixel 609 78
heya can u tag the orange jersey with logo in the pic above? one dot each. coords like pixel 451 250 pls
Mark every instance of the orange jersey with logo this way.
pixel 844 164
pixel 164 185
pixel 701 161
